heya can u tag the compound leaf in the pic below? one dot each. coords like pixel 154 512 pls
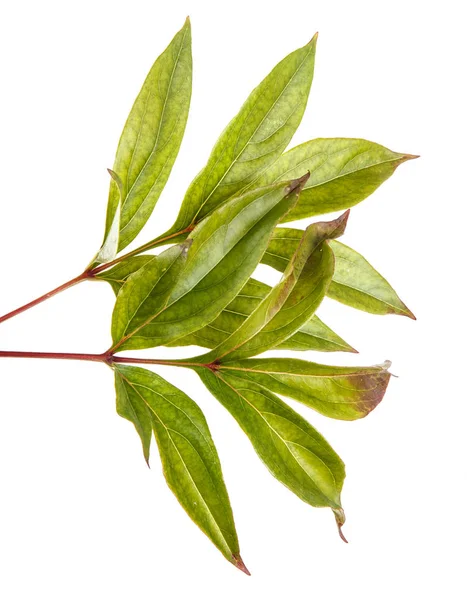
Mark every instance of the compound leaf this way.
pixel 184 288
pixel 314 335
pixel 292 302
pixel 189 458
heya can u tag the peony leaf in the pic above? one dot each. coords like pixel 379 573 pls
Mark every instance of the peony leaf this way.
pixel 189 458
pixel 186 287
pixel 151 138
pixel 355 282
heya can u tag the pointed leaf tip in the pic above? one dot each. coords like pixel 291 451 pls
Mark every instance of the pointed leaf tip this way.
pixel 297 185
pixel 238 562
pixel 340 520
pixel 314 39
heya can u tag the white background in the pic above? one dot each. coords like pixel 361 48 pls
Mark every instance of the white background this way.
pixel 81 516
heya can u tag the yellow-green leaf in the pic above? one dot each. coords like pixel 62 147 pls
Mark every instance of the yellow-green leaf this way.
pixel 292 302
pixel 294 452
pixel 343 172
pixel 151 138
pixel 187 286
pixel 345 393
pixel 189 458
pixel 253 140
pixel 355 282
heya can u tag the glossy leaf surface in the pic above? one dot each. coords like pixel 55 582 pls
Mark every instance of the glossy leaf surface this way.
pixel 151 137
pixel 294 452
pixel 355 282
pixel 314 335
pixel 187 286
pixel 292 302
pixel 189 458
pixel 345 393
pixel 343 172
pixel 256 136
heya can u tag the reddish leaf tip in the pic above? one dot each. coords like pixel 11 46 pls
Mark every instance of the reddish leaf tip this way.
pixel 341 535
pixel 314 38
pixel 409 313
pixel 340 520
pixel 238 562
pixel 297 185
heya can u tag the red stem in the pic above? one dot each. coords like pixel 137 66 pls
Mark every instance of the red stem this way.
pixel 105 357
pixel 90 273
pixel 61 288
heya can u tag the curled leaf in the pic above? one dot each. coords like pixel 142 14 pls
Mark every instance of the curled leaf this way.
pixel 354 282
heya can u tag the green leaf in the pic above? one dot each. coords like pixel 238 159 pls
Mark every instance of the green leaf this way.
pixel 109 247
pixel 189 458
pixel 343 172
pixel 292 302
pixel 314 335
pixel 151 138
pixel 187 286
pixel 345 393
pixel 294 452
pixel 134 409
pixel 117 275
pixel 254 138
pixel 355 282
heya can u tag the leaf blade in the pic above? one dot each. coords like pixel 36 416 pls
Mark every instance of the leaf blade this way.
pixel 359 285
pixel 294 452
pixel 190 462
pixel 345 393
pixel 292 302
pixel 224 249
pixel 151 137
pixel 343 172
pixel 254 138
pixel 355 281
pixel 314 335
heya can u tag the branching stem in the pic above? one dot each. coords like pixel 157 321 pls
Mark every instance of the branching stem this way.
pixel 91 273
pixel 105 357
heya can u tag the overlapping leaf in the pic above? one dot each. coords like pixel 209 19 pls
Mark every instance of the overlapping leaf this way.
pixel 355 282
pixel 343 172
pixel 292 302
pixel 345 393
pixel 151 138
pixel 294 452
pixel 314 335
pixel 187 286
pixel 189 458
pixel 256 136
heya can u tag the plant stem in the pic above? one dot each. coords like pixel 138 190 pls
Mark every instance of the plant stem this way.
pixel 144 248
pixel 105 357
pixel 91 273
pixel 55 355
pixel 54 292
